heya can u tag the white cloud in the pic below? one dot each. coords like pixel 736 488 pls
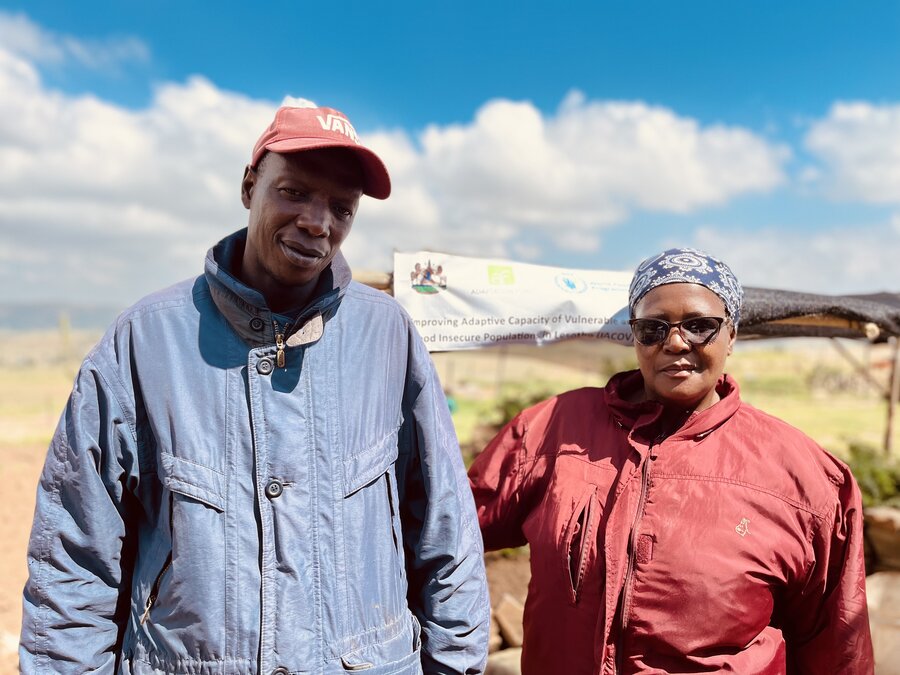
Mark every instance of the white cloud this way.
pixel 476 188
pixel 527 252
pixel 21 36
pixel 103 201
pixel 648 157
pixel 858 145
pixel 578 241
pixel 86 181
pixel 849 259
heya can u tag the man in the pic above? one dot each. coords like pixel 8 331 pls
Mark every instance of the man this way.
pixel 256 471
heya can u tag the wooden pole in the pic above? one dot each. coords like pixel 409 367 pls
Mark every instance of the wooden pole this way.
pixel 894 396
pixel 861 369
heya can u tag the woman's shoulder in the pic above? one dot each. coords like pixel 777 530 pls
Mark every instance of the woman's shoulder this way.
pixel 569 402
pixel 569 417
pixel 818 476
pixel 778 431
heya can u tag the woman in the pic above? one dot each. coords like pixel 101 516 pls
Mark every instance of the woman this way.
pixel 672 527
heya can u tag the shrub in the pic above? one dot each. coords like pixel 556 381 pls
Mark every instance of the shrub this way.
pixel 495 416
pixel 513 403
pixel 878 476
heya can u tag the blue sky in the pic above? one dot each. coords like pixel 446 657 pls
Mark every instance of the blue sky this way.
pixel 573 134
pixel 410 64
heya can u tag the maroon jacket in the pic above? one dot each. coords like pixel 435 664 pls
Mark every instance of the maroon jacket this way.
pixel 732 545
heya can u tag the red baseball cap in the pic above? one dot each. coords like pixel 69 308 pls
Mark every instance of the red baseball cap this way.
pixel 298 129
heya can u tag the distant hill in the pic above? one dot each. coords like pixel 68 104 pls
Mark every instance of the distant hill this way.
pixel 47 316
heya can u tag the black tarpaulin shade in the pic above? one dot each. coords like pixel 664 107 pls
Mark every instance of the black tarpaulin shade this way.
pixel 770 313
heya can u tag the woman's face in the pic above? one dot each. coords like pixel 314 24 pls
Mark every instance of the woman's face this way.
pixel 675 371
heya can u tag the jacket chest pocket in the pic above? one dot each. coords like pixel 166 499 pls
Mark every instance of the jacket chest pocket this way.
pixel 374 587
pixel 185 591
pixel 579 539
pixel 563 530
pixel 196 507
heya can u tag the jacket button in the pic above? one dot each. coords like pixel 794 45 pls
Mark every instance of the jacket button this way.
pixel 257 324
pixel 281 671
pixel 264 366
pixel 274 488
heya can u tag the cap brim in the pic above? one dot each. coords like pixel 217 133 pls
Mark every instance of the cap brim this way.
pixel 378 181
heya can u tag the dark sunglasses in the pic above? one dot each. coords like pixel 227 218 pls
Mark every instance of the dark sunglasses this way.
pixel 698 330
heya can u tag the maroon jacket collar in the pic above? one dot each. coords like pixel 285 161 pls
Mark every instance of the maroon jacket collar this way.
pixel 642 418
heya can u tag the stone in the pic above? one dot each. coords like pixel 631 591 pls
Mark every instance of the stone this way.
pixel 883 598
pixel 883 533
pixel 506 662
pixel 509 613
pixel 495 641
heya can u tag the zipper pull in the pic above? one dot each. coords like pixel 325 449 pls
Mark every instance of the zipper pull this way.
pixel 154 590
pixel 279 345
pixel 150 600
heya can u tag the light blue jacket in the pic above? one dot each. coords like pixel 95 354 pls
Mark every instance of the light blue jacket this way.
pixel 203 510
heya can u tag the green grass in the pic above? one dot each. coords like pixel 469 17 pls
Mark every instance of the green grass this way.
pixel 470 414
pixel 835 423
pixel 31 400
pixel 817 391
pixel 804 382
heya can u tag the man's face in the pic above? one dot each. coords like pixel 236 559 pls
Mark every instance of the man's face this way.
pixel 301 208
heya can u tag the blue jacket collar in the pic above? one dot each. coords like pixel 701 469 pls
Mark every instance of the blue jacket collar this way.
pixel 245 308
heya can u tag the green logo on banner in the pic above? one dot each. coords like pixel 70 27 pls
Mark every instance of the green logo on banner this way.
pixel 501 275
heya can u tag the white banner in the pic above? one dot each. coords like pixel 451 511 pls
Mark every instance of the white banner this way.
pixel 464 303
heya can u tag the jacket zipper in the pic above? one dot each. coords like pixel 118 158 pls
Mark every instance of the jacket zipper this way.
pixel 632 553
pixel 390 497
pixel 279 345
pixel 587 516
pixel 154 591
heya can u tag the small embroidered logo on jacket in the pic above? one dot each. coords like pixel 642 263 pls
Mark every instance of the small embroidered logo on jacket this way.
pixel 743 528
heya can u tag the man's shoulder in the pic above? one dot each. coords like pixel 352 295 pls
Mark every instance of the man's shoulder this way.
pixel 173 297
pixel 160 306
pixel 145 330
pixel 375 312
pixel 380 300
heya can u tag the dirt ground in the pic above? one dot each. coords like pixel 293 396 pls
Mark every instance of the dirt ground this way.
pixel 19 471
pixel 508 572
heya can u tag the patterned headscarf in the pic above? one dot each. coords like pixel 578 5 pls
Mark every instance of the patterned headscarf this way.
pixel 687 266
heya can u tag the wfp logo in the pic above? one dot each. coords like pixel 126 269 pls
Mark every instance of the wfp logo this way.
pixel 570 283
